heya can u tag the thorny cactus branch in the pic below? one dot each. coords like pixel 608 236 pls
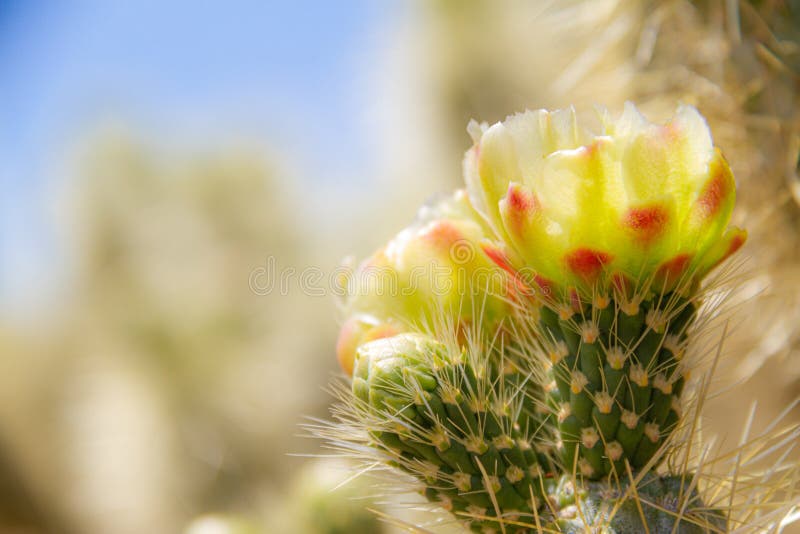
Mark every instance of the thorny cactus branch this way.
pixel 451 420
pixel 543 383
pixel 619 230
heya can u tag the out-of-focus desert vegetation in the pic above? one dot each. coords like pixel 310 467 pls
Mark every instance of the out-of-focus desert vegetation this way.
pixel 159 388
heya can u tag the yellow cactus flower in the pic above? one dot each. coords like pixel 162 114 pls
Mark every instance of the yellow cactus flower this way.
pixel 646 202
pixel 434 269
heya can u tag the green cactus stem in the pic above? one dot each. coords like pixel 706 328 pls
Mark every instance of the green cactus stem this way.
pixel 658 505
pixel 616 378
pixel 453 423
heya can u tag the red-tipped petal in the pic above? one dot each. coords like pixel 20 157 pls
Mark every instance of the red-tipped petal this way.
pixel 521 203
pixel 646 223
pixel 587 263
pixel 716 192
pixel 732 241
pixel 670 272
pixel 442 234
pixel 737 241
pixel 499 257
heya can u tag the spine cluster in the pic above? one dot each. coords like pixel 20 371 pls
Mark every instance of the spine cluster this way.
pixel 602 505
pixel 616 378
pixel 454 424
pixel 554 394
pixel 469 429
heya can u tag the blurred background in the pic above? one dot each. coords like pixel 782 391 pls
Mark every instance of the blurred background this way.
pixel 163 163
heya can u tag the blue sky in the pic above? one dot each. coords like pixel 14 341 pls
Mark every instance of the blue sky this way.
pixel 180 68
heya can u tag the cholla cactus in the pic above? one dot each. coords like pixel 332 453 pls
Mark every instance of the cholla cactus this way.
pixel 616 231
pixel 655 509
pixel 555 399
pixel 447 417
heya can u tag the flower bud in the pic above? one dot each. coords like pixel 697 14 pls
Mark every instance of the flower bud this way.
pixel 434 270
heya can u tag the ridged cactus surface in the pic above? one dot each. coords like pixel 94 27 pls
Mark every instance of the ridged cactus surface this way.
pixel 658 505
pixel 613 234
pixel 452 423
pixel 616 378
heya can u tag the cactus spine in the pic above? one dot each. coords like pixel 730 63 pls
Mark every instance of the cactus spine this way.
pixel 452 422
pixel 616 377
pixel 656 506
pixel 456 421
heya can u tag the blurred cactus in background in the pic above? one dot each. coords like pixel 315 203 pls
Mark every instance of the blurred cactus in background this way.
pixel 167 244
pixel 325 500
pixel 220 524
pixel 146 403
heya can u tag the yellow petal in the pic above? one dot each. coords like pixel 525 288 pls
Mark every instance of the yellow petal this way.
pixel 490 166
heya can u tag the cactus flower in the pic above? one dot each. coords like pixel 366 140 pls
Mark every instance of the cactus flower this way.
pixel 646 201
pixel 436 268
pixel 616 230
